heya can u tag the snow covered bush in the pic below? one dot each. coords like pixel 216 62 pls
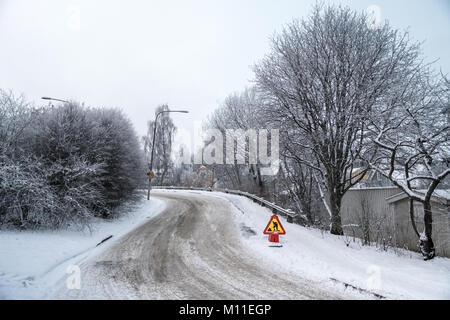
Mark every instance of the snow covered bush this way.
pixel 63 165
pixel 116 146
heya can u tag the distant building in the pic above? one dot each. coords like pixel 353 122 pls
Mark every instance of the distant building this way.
pixel 371 178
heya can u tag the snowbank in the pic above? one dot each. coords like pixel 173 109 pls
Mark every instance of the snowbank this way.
pixel 31 262
pixel 318 255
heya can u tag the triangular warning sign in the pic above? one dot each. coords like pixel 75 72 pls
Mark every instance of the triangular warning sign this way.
pixel 274 226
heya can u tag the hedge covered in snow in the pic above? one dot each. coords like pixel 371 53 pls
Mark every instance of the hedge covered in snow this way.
pixel 62 165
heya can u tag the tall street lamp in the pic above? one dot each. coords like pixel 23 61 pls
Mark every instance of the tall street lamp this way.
pixel 153 146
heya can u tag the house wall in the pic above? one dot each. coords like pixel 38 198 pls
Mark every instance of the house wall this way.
pixel 391 223
pixel 368 206
pixel 405 235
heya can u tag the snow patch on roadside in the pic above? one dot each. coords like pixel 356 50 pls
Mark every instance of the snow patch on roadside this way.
pixel 31 262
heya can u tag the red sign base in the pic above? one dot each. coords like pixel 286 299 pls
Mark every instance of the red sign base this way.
pixel 274 237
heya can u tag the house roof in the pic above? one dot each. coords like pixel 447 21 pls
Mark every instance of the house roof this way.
pixel 440 196
pixel 445 194
pixel 368 175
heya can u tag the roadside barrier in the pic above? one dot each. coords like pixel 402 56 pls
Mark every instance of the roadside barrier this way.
pixel 287 213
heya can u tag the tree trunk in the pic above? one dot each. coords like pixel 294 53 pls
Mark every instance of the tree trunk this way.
pixel 335 206
pixel 426 244
pixel 260 180
pixel 411 214
pixel 163 176
pixel 306 208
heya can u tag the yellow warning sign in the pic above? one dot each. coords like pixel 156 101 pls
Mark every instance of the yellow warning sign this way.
pixel 274 226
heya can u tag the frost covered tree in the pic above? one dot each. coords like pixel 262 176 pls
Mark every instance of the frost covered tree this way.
pixel 412 133
pixel 298 181
pixel 165 131
pixel 238 119
pixel 15 117
pixel 322 77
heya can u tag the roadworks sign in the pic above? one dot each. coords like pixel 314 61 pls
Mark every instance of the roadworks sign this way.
pixel 274 226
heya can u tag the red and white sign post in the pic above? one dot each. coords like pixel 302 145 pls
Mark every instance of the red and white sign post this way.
pixel 274 228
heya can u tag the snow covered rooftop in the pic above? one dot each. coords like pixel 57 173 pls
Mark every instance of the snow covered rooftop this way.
pixel 442 196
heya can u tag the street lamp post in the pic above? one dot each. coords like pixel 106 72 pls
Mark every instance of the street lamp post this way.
pixel 54 99
pixel 153 145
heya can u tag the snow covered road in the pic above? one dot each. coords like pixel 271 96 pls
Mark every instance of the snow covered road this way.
pixel 192 250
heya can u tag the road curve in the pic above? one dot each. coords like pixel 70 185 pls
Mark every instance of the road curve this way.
pixel 189 251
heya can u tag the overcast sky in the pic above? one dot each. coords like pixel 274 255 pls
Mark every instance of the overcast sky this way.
pixel 190 54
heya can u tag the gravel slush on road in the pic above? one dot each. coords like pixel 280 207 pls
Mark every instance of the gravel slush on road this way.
pixel 190 251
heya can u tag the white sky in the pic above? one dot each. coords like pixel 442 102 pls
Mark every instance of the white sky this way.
pixel 190 54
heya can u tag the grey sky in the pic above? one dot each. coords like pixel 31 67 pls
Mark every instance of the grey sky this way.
pixel 189 54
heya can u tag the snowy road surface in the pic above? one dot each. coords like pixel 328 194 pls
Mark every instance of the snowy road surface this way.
pixel 192 250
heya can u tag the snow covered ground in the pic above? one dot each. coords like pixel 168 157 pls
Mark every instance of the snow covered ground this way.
pixel 320 256
pixel 32 262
